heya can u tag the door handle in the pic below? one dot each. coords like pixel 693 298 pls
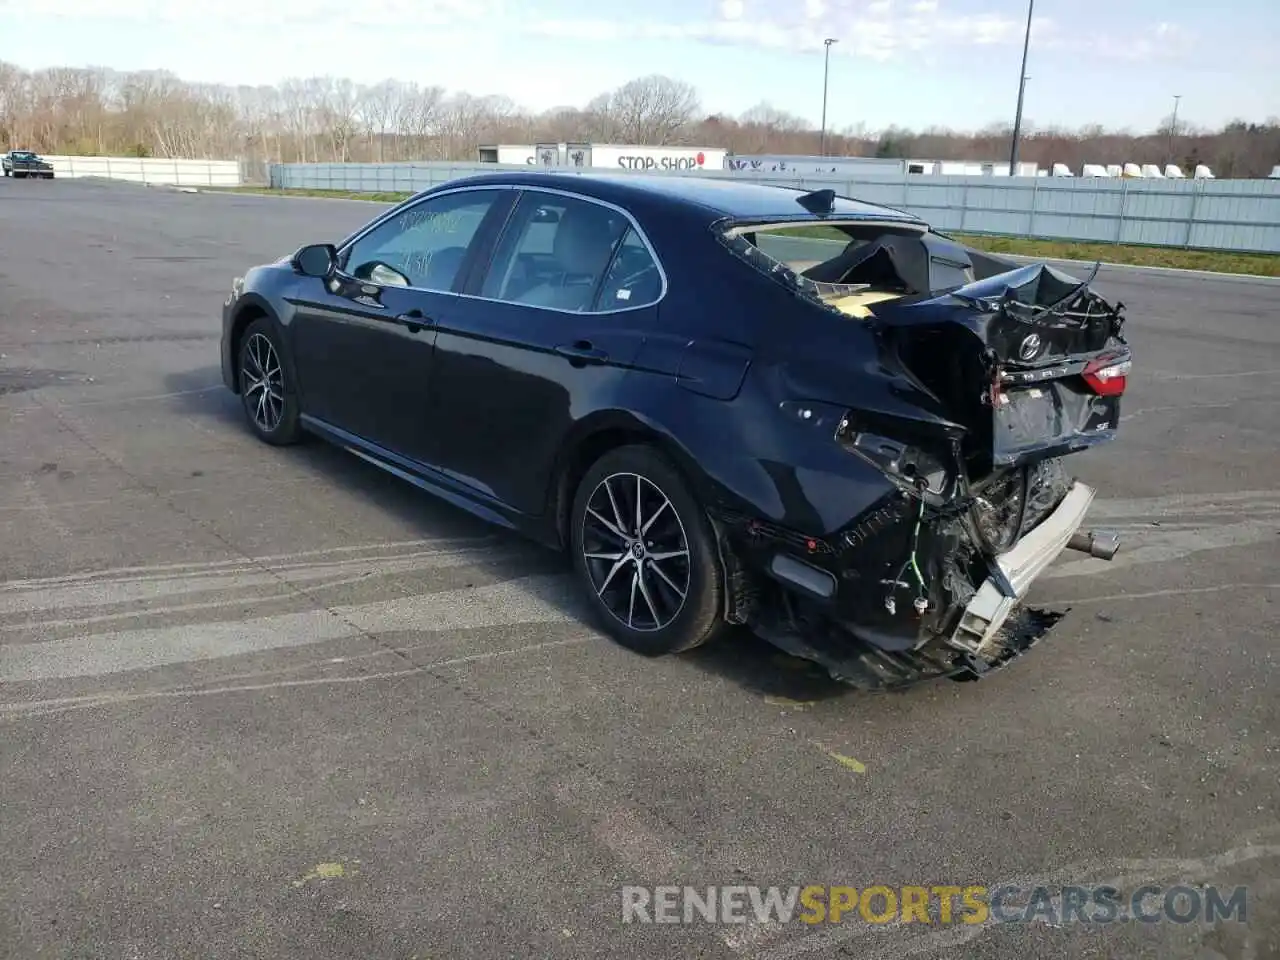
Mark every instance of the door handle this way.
pixel 414 319
pixel 582 352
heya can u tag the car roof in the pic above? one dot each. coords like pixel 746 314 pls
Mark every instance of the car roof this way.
pixel 733 198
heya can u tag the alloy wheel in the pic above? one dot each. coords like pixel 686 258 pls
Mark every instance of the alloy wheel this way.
pixel 636 552
pixel 263 378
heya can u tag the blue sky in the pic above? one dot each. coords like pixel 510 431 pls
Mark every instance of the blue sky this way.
pixel 908 62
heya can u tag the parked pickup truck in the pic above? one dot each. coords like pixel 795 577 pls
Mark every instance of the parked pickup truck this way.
pixel 24 163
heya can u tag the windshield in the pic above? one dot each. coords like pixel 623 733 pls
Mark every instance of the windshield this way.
pixel 23 155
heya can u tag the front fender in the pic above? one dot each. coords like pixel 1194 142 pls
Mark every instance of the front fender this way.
pixel 243 311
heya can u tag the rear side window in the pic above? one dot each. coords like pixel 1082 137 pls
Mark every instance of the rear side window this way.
pixel 570 254
pixel 633 279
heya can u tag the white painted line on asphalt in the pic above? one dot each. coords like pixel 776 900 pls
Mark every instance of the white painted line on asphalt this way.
pixel 1202 522
pixel 154 396
pixel 1134 414
pixel 1234 503
pixel 1160 594
pixel 525 600
pixel 232 587
pixel 1158 545
pixel 1171 375
pixel 372 551
pixel 59 704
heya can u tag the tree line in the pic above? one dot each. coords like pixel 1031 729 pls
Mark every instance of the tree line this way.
pixel 96 112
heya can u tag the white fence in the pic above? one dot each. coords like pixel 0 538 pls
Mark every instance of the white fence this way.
pixel 1237 215
pixel 193 173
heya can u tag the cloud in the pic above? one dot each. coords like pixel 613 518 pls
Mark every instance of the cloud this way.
pixel 255 14
pixel 1163 41
pixel 867 29
pixel 877 30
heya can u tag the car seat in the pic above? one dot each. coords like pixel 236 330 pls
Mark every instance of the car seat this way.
pixel 583 244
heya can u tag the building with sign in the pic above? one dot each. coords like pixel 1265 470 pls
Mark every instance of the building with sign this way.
pixel 612 156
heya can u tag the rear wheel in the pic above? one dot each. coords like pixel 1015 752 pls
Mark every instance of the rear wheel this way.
pixel 270 401
pixel 646 554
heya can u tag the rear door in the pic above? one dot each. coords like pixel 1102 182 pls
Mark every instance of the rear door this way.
pixel 547 332
pixel 363 341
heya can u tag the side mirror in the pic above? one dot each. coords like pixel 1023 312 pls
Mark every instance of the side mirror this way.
pixel 316 260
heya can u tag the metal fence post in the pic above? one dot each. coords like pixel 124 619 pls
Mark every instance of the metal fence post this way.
pixel 1124 203
pixel 1197 189
pixel 1035 198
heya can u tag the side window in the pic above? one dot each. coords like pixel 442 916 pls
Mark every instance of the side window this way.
pixel 554 253
pixel 422 246
pixel 633 278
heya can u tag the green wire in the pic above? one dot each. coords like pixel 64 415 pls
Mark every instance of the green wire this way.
pixel 915 542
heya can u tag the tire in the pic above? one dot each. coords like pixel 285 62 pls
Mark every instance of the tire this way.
pixel 679 624
pixel 274 420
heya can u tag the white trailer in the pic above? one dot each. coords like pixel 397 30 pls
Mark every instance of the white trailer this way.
pixel 606 156
pixel 811 165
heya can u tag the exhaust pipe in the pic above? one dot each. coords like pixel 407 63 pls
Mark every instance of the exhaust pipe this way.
pixel 1100 545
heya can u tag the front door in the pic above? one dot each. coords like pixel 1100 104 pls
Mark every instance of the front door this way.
pixel 550 329
pixel 363 340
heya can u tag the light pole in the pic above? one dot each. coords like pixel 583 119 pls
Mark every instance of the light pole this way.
pixel 1022 89
pixel 1173 124
pixel 826 65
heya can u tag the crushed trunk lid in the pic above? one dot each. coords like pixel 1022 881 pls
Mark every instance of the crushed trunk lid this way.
pixel 1031 360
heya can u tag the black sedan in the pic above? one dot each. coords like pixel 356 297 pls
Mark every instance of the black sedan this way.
pixel 852 444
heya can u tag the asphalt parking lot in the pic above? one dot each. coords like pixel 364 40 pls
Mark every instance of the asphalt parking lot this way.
pixel 274 703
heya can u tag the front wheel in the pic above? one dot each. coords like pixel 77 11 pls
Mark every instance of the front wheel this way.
pixel 646 554
pixel 270 401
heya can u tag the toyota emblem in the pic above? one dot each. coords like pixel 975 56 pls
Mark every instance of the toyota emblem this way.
pixel 1030 347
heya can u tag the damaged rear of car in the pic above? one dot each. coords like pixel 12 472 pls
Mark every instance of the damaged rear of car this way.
pixel 941 392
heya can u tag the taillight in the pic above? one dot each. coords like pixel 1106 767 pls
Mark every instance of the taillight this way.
pixel 1107 376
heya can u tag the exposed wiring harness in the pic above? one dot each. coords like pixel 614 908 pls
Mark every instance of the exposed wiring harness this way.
pixel 921 601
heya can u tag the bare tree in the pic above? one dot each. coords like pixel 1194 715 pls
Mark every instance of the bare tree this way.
pixel 155 113
pixel 653 109
pixel 422 118
pixel 382 108
pixel 769 117
pixel 339 114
